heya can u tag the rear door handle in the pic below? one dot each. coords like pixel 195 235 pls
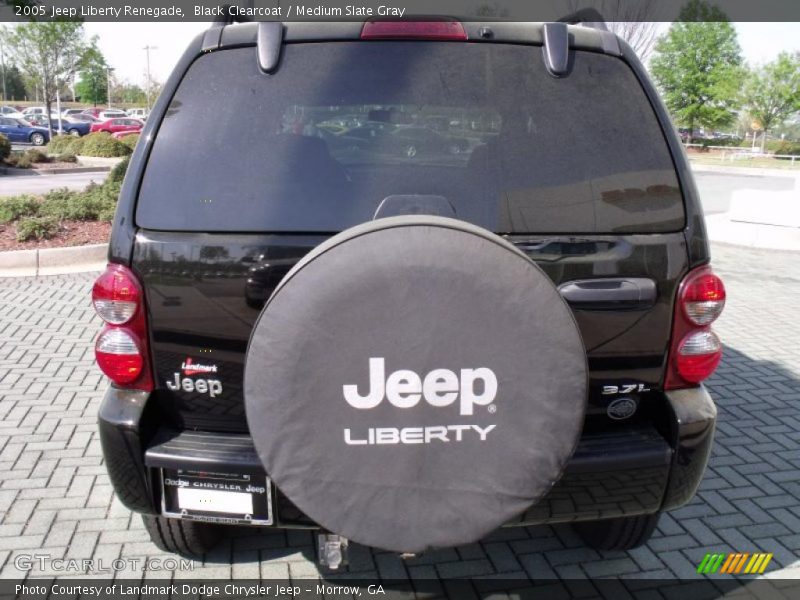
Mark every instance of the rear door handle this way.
pixel 610 293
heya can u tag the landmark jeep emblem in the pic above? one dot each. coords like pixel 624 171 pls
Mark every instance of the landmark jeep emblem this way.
pixel 440 387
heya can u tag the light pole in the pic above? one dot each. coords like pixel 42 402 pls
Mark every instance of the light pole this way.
pixel 108 85
pixel 147 83
pixel 3 61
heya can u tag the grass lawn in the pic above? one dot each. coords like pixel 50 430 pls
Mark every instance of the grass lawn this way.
pixel 755 162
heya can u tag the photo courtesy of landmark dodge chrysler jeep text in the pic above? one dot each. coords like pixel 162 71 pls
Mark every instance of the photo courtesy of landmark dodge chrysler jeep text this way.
pixel 446 277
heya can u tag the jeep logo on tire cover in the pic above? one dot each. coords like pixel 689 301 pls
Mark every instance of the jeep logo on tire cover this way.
pixel 440 387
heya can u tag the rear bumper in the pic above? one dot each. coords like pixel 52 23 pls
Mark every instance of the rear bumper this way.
pixel 624 472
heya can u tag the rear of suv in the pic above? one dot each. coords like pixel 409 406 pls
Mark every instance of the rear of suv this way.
pixel 406 282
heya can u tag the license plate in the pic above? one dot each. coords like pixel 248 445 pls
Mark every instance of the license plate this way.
pixel 216 497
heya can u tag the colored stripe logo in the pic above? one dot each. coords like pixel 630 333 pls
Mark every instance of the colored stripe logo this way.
pixel 735 563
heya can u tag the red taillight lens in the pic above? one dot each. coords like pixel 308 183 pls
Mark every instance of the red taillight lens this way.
pixel 695 350
pixel 116 295
pixel 698 356
pixel 121 348
pixel 703 297
pixel 414 30
pixel 118 355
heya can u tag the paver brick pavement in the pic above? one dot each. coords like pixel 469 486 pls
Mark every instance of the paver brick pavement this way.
pixel 55 498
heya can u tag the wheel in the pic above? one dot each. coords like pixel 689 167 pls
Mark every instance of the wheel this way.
pixel 415 383
pixel 182 537
pixel 618 534
pixel 37 139
pixel 74 133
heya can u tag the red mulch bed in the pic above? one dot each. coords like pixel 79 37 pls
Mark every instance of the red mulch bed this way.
pixel 70 233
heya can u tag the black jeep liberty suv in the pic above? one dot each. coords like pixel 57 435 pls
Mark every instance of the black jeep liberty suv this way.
pixel 406 282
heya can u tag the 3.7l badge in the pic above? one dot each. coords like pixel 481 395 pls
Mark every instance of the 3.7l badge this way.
pixel 625 388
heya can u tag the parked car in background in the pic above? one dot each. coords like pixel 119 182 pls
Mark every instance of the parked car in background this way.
pixel 71 112
pixel 21 131
pixel 12 112
pixel 116 125
pixel 99 112
pixel 111 114
pixel 138 113
pixel 38 111
pixel 83 117
pixel 33 119
pixel 75 128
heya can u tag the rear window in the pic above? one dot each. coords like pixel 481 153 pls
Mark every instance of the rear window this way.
pixel 317 146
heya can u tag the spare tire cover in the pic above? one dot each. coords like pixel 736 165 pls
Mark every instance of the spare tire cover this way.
pixel 415 382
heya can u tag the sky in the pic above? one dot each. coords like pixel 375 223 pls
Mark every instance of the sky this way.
pixel 123 43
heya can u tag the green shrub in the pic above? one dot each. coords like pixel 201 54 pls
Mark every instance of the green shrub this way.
pixel 74 145
pixel 117 174
pixel 95 203
pixel 784 147
pixel 23 162
pixel 14 207
pixel 36 156
pixel 39 228
pixel 104 199
pixel 102 144
pixel 726 142
pixel 58 204
pixel 59 144
pixel 5 147
pixel 69 158
pixel 130 140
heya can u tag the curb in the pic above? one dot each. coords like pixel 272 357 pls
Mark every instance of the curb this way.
pixel 53 261
pixel 721 228
pixel 45 172
pixel 99 161
pixel 65 171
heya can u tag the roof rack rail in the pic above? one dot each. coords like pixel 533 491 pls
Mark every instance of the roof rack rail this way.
pixel 589 17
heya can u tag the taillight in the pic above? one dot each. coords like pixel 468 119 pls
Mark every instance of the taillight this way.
pixel 119 356
pixel 703 297
pixel 695 350
pixel 116 295
pixel 414 30
pixel 121 348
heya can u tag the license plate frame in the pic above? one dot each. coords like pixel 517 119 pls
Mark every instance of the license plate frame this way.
pixel 215 497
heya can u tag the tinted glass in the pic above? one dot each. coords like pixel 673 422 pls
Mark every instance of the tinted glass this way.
pixel 342 126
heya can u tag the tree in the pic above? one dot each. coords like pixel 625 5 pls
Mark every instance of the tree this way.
pixel 93 83
pixel 772 93
pixel 15 84
pixel 129 93
pixel 698 67
pixel 47 53
pixel 634 22
pixel 640 35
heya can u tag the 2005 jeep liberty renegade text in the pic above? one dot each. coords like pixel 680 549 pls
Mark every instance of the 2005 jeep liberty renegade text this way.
pixel 407 282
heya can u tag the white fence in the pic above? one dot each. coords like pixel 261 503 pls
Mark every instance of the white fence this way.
pixel 740 153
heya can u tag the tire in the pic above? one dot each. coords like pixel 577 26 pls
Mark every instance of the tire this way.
pixel 618 534
pixel 74 133
pixel 415 298
pixel 182 537
pixel 37 139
